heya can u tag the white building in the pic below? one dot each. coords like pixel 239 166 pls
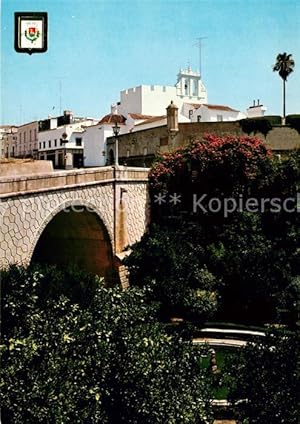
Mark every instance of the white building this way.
pixel 140 108
pixel 63 144
pixel 8 137
pixel 153 99
pixel 95 139
pixel 214 113
pixel 257 110
pixel 144 107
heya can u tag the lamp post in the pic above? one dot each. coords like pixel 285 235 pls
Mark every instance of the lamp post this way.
pixel 116 130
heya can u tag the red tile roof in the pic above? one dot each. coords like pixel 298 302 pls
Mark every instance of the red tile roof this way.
pixel 194 105
pixel 221 107
pixel 112 118
pixel 138 116
pixel 153 119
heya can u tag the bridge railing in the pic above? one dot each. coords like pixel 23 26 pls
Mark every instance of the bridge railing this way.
pixel 10 186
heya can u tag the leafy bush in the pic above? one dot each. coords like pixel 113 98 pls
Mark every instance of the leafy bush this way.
pixel 293 121
pixel 252 258
pixel 264 375
pixel 171 264
pixel 213 166
pixel 29 289
pixel 260 124
pixel 109 362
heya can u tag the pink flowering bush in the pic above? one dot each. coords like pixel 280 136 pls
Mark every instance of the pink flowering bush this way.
pixel 226 165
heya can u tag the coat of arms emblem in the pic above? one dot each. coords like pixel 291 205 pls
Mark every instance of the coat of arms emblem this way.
pixel 32 34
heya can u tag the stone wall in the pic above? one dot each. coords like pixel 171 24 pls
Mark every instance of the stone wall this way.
pixel 17 167
pixel 139 148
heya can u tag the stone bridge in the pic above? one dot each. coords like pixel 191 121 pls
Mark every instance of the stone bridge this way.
pixel 85 217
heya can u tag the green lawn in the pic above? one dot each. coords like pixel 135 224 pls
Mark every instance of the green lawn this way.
pixel 222 352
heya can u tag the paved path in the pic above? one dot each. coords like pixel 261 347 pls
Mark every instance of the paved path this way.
pixel 220 342
pixel 226 341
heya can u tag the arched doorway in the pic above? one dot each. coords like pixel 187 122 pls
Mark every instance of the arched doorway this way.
pixel 76 236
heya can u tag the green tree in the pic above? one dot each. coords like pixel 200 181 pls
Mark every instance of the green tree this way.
pixel 263 381
pixel 107 362
pixel 284 66
pixel 251 258
pixel 171 263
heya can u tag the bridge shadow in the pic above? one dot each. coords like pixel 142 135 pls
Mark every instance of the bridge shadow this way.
pixel 76 236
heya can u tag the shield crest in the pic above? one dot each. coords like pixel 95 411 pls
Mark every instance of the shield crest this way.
pixel 32 34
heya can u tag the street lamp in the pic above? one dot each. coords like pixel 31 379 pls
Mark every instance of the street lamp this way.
pixel 116 130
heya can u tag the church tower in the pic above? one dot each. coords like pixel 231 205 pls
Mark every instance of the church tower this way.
pixel 190 87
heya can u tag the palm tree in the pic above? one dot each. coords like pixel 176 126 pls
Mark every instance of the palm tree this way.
pixel 284 66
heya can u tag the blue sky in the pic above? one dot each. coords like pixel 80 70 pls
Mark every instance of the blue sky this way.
pixel 99 47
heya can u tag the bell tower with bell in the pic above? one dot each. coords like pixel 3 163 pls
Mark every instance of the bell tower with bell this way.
pixel 190 87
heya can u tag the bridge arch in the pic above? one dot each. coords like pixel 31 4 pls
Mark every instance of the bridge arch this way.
pixel 75 234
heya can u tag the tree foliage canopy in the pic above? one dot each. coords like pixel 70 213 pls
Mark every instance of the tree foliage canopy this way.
pixel 264 376
pixel 107 362
pixel 284 65
pixel 250 257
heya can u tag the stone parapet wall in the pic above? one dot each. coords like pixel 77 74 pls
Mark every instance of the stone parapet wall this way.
pixel 282 138
pixel 62 179
pixel 32 183
pixel 139 148
pixel 12 168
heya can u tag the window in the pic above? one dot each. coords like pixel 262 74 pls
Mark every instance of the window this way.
pixel 34 134
pixel 40 145
pixel 128 153
pixel 24 136
pixel 199 118
pixel 61 142
pixel 55 142
pixel 145 151
pixel 163 141
pixel 195 87
pixel 49 143
pixel 30 135
pixel 190 113
pixel 186 87
pixel 78 141
pixel 44 144
pixel 219 118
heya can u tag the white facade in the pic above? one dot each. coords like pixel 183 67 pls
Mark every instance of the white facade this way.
pixel 215 113
pixel 150 123
pixel 95 142
pixel 63 145
pixel 2 146
pixel 255 111
pixel 8 139
pixel 154 99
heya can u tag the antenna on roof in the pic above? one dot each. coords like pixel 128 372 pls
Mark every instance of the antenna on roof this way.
pixel 199 45
pixel 60 78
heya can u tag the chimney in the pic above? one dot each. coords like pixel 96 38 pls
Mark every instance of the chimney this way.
pixel 68 117
pixel 253 102
pixel 172 118
pixel 114 109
